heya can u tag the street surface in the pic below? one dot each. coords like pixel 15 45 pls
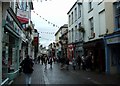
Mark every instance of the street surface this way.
pixel 66 77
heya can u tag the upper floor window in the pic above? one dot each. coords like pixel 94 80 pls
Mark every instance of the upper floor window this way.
pixel 117 15
pixel 79 24
pixel 79 10
pixel 76 33
pixel 118 22
pixel 72 34
pixel 72 18
pixel 90 7
pixel 69 20
pixel 91 27
pixel 75 14
pixel 100 1
pixel 23 5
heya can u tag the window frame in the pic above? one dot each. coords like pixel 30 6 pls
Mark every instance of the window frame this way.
pixel 91 22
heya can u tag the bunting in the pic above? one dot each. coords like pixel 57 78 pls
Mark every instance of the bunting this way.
pixel 48 32
pixel 46 39
pixel 54 25
pixel 41 0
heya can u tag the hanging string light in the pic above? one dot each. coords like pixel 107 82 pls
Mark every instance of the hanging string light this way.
pixel 54 25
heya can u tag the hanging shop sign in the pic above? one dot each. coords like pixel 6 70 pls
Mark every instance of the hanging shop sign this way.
pixel 9 20
pixel 12 23
pixel 23 16
pixel 17 29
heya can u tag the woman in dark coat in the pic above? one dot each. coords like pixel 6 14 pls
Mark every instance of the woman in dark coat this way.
pixel 27 66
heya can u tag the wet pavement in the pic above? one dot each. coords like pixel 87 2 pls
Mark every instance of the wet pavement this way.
pixel 42 76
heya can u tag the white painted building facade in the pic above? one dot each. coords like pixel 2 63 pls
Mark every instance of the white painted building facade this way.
pixel 75 35
pixel 97 19
pixel 98 22
pixel 75 21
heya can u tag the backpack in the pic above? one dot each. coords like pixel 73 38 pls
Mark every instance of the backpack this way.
pixel 27 66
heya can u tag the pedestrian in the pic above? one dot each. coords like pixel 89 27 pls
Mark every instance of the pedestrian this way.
pixel 62 62
pixel 54 59
pixel 42 59
pixel 45 61
pixel 83 62
pixel 67 63
pixel 35 60
pixel 38 59
pixel 79 60
pixel 50 62
pixel 27 66
pixel 74 63
pixel 89 61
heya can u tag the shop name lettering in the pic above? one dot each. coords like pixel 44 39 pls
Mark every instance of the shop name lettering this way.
pixel 113 40
pixel 10 22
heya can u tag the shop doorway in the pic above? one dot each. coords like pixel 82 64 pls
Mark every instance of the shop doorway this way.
pixel 115 57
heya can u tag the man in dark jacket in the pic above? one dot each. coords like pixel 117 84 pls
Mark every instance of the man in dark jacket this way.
pixel 27 65
pixel 79 60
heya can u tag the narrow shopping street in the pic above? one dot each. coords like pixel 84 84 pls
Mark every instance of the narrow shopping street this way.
pixel 82 33
pixel 57 76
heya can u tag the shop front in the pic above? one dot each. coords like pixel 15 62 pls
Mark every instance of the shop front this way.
pixel 112 47
pixel 112 43
pixel 98 52
pixel 10 46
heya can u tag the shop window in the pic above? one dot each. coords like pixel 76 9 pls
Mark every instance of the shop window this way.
pixel 4 63
pixel 113 60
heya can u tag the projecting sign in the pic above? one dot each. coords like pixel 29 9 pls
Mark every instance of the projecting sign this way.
pixel 23 16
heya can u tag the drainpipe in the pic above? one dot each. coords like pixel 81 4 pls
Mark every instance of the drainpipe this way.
pixel 0 42
pixel 29 16
pixel 15 10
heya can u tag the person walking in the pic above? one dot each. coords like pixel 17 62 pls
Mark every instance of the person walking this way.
pixel 45 61
pixel 83 62
pixel 67 63
pixel 79 60
pixel 38 59
pixel 74 63
pixel 50 62
pixel 27 66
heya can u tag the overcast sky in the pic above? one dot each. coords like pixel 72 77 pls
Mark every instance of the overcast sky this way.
pixel 54 11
